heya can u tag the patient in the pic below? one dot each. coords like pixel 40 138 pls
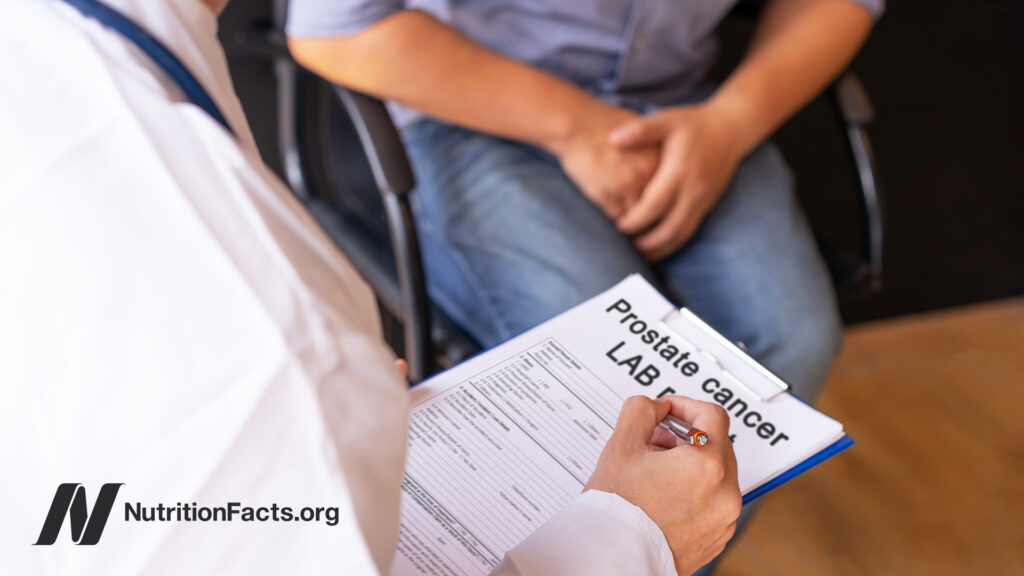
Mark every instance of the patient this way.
pixel 562 145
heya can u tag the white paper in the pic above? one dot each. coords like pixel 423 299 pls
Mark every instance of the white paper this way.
pixel 503 441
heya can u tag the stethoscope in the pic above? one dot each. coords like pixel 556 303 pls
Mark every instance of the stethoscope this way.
pixel 156 51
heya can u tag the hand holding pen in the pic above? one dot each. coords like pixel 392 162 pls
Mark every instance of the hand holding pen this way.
pixel 692 495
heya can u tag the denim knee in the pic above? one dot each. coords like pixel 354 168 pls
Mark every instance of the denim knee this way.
pixel 801 352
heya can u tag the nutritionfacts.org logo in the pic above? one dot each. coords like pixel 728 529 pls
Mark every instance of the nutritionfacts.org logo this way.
pixel 87 526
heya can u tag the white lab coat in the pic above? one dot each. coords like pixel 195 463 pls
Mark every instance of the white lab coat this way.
pixel 172 319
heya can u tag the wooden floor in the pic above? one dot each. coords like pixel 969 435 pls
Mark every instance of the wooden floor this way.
pixel 935 483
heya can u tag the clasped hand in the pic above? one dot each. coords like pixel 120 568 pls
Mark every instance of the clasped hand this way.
pixel 655 176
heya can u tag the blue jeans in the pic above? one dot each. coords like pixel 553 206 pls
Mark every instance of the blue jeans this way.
pixel 509 241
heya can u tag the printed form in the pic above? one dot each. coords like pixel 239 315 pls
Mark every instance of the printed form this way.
pixel 503 441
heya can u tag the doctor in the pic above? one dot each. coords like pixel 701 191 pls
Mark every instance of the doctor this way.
pixel 171 319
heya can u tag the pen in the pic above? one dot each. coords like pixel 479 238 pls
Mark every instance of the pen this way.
pixel 684 431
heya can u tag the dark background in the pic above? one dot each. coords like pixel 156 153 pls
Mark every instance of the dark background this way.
pixel 946 78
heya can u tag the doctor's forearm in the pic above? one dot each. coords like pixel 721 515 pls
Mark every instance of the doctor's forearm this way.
pixel 420 62
pixel 799 47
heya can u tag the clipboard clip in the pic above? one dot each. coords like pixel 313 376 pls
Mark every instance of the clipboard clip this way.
pixel 735 364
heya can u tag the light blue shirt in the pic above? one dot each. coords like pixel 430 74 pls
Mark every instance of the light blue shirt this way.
pixel 647 52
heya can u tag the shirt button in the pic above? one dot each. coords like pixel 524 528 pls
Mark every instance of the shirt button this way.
pixel 639 43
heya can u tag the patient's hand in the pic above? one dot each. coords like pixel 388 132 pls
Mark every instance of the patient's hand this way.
pixel 691 493
pixel 612 177
pixel 699 156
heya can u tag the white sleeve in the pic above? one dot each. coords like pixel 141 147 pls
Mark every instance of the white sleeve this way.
pixel 598 534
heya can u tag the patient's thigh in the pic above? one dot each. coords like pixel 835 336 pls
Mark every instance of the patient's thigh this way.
pixel 754 272
pixel 508 240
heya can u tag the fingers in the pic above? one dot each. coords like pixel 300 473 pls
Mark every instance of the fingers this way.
pixel 672 231
pixel 402 367
pixel 654 201
pixel 723 540
pixel 659 193
pixel 663 440
pixel 705 416
pixel 637 422
pixel 640 131
pixel 610 204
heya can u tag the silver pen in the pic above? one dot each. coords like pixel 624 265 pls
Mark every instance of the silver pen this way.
pixel 684 431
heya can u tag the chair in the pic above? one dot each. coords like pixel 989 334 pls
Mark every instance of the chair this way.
pixel 320 123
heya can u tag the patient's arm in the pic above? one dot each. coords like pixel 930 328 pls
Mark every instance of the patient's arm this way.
pixel 414 59
pixel 799 47
pixel 420 62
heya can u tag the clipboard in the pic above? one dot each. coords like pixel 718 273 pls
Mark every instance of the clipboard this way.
pixel 526 421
